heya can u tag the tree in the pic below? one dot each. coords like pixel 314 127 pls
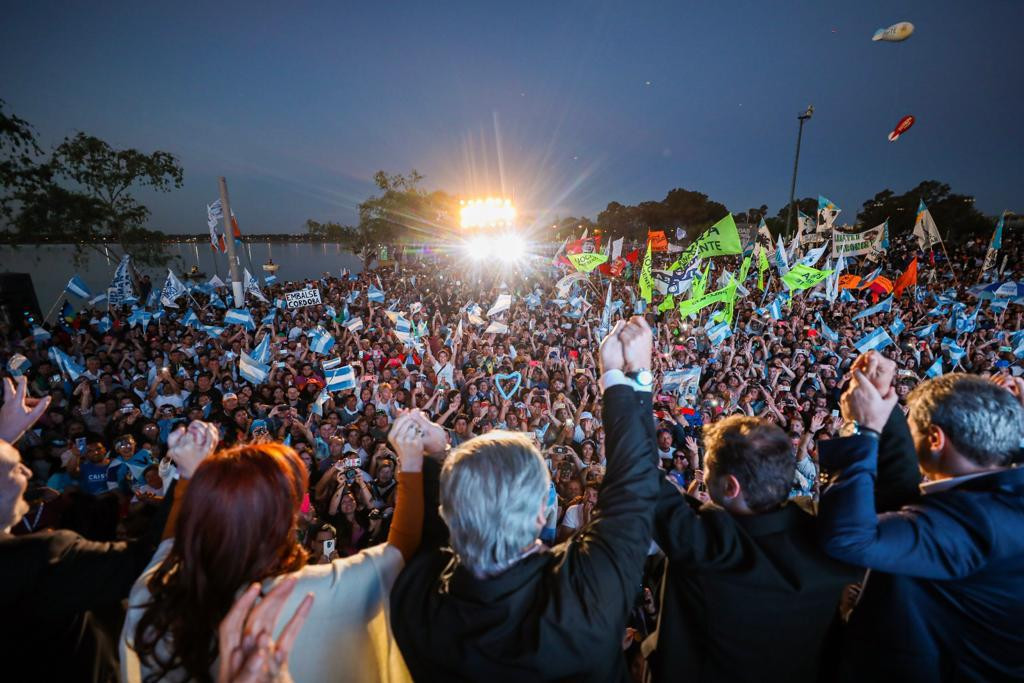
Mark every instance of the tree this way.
pixel 689 209
pixel 93 203
pixel 953 213
pixel 777 224
pixel 401 212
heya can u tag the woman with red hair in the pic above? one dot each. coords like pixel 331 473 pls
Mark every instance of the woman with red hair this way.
pixel 238 525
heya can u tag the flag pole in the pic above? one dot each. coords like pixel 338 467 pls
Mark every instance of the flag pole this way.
pixel 229 239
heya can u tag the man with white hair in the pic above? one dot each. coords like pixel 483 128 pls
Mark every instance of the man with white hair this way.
pixel 498 605
pixel 945 598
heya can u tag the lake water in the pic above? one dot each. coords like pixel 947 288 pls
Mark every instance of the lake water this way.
pixel 51 266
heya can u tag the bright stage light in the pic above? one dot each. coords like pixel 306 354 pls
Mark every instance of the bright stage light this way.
pixel 487 213
pixel 479 248
pixel 511 247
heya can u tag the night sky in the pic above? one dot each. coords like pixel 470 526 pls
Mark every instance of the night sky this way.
pixel 565 105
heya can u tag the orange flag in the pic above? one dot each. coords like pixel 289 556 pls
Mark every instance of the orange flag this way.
pixel 848 281
pixel 907 278
pixel 659 242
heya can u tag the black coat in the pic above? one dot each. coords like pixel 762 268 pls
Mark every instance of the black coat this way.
pixel 556 615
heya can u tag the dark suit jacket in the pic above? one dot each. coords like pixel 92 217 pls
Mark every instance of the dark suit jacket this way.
pixel 945 599
pixel 554 615
pixel 746 598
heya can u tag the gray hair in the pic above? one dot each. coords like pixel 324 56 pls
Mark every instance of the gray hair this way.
pixel 982 419
pixel 492 488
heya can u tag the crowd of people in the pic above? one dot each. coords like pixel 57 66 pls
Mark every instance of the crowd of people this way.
pixel 504 485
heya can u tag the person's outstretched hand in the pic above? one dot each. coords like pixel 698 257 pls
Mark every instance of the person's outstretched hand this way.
pixel 435 439
pixel 406 437
pixel 611 349
pixel 20 411
pixel 637 344
pixel 878 369
pixel 248 653
pixel 189 447
pixel 863 403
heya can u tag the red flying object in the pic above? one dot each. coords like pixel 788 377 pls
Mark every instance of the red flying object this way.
pixel 902 127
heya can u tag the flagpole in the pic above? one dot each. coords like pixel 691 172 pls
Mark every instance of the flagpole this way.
pixel 949 261
pixel 54 306
pixel 229 239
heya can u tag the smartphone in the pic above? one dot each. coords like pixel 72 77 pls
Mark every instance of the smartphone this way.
pixel 329 547
pixel 280 364
pixel 55 378
pixel 80 443
pixel 127 409
pixel 835 413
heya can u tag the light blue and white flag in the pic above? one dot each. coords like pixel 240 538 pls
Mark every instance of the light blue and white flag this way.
pixel 321 341
pixel 213 330
pixel 262 352
pixel 252 370
pixel 502 304
pixel 269 318
pixel 897 326
pixel 104 324
pixel 966 323
pixel 846 296
pixel 876 341
pixel 173 289
pixel 40 335
pixel 826 331
pixel 270 279
pixel 935 370
pixel 217 302
pixel 78 287
pixel 18 365
pixel 813 255
pixel 122 282
pixel 240 316
pixel 869 278
pixel 353 325
pixel 375 295
pixel 98 299
pixel 719 333
pixel 331 364
pixel 340 378
pixel 191 319
pixel 65 363
pixel 775 309
pixel 318 404
pixel 956 352
pixel 353 296
pixel 252 286
pixel 883 306
pixel 926 331
pixel 781 261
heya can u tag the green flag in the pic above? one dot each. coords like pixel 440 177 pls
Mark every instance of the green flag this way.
pixel 667 305
pixel 803 277
pixel 700 282
pixel 762 266
pixel 731 302
pixel 587 262
pixel 646 279
pixel 744 269
pixel 697 303
pixel 721 239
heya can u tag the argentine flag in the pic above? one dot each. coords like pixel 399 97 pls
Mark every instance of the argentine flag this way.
pixel 846 296
pixel 331 364
pixel 270 279
pixel 213 330
pixel 240 316
pixel 340 378
pixel 321 341
pixel 99 298
pixel 104 324
pixel 77 287
pixel 826 331
pixel 935 370
pixel 897 326
pixel 66 364
pixel 190 319
pixel 876 341
pixel 881 307
pixel 354 325
pixel 261 354
pixel 269 318
pixel 719 333
pixel 217 302
pixel 374 294
pixel 40 335
pixel 251 370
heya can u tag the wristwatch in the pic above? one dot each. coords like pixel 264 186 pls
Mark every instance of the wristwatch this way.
pixel 854 428
pixel 643 379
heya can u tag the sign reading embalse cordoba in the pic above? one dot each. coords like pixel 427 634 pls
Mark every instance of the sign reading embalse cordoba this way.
pixel 303 297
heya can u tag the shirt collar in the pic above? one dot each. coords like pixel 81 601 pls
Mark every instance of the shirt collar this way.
pixel 930 487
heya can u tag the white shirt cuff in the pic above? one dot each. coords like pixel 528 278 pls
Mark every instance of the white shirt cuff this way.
pixel 612 378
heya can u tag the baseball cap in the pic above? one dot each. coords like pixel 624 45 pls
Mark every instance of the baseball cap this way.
pixel 228 396
pixel 585 415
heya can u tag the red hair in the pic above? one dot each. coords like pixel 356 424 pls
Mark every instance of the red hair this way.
pixel 237 525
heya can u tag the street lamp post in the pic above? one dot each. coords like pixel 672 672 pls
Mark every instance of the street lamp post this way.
pixel 796 162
